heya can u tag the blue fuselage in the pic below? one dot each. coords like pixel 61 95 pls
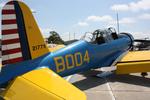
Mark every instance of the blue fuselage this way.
pixel 81 56
pixel 77 57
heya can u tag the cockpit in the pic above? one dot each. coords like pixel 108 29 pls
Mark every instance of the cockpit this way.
pixel 101 36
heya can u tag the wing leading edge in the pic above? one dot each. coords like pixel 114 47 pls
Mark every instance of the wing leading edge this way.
pixel 134 62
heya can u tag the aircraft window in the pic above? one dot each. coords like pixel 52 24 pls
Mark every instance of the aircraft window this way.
pixel 88 37
pixel 104 35
pixel 108 36
pixel 99 37
pixel 113 33
pixel 112 29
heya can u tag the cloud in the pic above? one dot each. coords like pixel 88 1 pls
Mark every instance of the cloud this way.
pixel 145 16
pixel 104 18
pixel 83 24
pixel 120 7
pixel 110 20
pixel 127 20
pixel 92 18
pixel 132 6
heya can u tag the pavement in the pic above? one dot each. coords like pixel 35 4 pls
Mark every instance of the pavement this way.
pixel 114 87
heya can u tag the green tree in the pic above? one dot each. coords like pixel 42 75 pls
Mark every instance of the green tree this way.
pixel 55 38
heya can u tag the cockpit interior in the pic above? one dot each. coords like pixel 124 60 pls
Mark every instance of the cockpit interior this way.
pixel 101 36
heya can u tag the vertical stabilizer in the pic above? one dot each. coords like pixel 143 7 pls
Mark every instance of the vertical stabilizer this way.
pixel 21 37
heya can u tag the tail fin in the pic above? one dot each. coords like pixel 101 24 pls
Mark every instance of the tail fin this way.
pixel 21 37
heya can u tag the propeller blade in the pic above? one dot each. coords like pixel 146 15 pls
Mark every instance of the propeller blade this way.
pixel 138 40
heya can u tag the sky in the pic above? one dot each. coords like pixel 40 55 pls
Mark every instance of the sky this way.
pixel 80 16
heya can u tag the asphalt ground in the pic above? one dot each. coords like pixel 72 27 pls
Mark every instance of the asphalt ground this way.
pixel 113 87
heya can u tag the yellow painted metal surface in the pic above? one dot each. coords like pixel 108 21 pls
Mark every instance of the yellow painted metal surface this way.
pixel 36 41
pixel 57 47
pixel 42 84
pixel 22 89
pixel 136 56
pixel 134 62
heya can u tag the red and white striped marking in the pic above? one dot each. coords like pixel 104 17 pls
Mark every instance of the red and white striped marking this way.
pixel 10 36
pixel 11 47
pixel 9 26
pixel 8 7
pixel 7 17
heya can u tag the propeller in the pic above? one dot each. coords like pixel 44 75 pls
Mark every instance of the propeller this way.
pixel 143 41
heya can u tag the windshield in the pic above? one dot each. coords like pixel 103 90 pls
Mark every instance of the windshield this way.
pixel 96 37
pixel 88 37
pixel 100 36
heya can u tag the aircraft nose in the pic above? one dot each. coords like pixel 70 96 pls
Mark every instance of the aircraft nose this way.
pixel 130 37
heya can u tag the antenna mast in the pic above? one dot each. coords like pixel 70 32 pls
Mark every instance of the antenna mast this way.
pixel 118 22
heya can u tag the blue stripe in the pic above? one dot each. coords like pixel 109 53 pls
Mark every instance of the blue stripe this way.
pixel 22 32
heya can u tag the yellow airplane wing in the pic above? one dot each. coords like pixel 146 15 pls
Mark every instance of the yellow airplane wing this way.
pixel 134 62
pixel 42 84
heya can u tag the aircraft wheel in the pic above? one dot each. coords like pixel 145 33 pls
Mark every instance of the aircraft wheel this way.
pixel 144 74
